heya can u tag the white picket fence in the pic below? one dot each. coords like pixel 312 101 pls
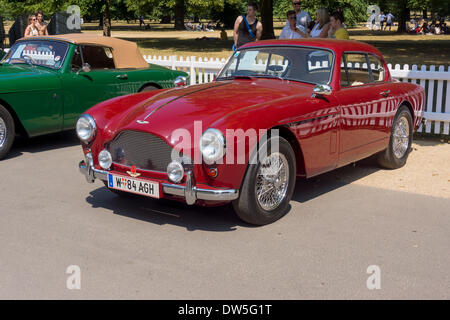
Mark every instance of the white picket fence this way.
pixel 436 82
pixel 44 57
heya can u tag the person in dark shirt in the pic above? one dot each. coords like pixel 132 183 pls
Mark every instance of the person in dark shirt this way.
pixel 425 29
pixel 241 33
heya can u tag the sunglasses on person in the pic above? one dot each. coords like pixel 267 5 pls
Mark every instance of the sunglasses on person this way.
pixel 292 18
pixel 296 3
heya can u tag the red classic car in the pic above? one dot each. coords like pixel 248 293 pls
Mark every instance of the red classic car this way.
pixel 278 110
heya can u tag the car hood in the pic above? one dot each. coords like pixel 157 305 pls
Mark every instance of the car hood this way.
pixel 21 77
pixel 179 108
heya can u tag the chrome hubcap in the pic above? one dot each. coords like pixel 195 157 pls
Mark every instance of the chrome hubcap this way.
pixel 2 132
pixel 400 141
pixel 272 181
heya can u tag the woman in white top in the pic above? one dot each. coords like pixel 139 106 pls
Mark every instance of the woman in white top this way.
pixel 293 31
pixel 322 25
pixel 31 29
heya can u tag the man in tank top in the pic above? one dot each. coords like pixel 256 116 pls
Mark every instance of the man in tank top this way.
pixel 241 29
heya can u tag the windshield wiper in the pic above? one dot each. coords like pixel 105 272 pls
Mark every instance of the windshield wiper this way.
pixel 25 61
pixel 268 76
pixel 235 77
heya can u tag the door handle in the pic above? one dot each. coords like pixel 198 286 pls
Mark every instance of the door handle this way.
pixel 385 93
pixel 122 76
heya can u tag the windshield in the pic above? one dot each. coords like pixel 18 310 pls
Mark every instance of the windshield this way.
pixel 291 63
pixel 38 52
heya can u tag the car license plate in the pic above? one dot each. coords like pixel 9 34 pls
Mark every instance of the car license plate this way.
pixel 122 183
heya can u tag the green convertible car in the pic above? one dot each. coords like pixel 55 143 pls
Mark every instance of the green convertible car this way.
pixel 47 82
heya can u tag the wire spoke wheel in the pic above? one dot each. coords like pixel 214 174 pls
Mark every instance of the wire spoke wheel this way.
pixel 400 141
pixel 272 181
pixel 3 132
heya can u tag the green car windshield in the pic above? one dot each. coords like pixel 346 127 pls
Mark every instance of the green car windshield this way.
pixel 44 53
pixel 295 63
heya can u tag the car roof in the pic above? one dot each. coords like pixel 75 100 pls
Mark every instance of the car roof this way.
pixel 126 53
pixel 337 46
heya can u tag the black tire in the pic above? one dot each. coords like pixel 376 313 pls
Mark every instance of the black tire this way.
pixel 148 88
pixel 7 132
pixel 388 158
pixel 248 207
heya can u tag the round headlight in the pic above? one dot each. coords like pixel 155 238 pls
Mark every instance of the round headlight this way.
pixel 212 145
pixel 105 159
pixel 86 128
pixel 175 171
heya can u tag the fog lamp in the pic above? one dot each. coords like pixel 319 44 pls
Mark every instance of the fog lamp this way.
pixel 175 171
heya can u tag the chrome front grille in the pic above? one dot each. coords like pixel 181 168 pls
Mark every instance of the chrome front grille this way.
pixel 140 149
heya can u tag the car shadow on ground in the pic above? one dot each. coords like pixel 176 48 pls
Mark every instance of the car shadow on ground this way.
pixel 43 143
pixel 309 189
pixel 222 218
pixel 163 212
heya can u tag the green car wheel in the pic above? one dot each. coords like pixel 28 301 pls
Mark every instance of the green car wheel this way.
pixel 7 132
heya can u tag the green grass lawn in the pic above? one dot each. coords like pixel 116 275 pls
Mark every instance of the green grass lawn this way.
pixel 162 40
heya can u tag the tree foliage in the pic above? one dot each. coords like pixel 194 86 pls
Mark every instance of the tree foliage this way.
pixel 223 11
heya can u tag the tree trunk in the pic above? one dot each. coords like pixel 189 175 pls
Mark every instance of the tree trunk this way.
pixel 425 14
pixel 267 19
pixel 403 16
pixel 179 15
pixel 107 20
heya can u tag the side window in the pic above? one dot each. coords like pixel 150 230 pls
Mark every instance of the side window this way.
pixel 77 62
pixel 277 65
pixel 356 72
pixel 376 66
pixel 319 66
pixel 98 57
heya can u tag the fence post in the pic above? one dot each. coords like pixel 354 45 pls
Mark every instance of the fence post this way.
pixel 192 71
pixel 447 106
pixel 174 61
pixel 440 89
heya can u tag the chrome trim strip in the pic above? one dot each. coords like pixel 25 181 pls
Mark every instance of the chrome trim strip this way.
pixel 189 191
pixel 91 173
pixel 201 194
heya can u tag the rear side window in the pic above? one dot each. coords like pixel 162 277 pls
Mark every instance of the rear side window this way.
pixel 354 70
pixel 98 57
pixel 376 66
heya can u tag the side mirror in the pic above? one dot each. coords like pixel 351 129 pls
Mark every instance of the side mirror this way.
pixel 85 68
pixel 180 81
pixel 321 90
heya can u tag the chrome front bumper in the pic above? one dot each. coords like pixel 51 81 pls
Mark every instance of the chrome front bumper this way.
pixel 190 192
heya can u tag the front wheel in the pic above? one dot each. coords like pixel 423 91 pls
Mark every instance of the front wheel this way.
pixel 268 185
pixel 396 154
pixel 7 132
pixel 148 88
